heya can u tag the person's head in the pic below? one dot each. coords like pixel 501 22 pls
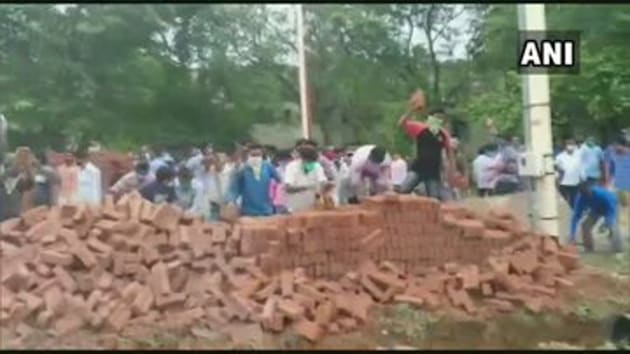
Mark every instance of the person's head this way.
pixel 68 158
pixel 491 149
pixel 307 153
pixel 282 158
pixel 142 168
pixel 255 155
pixel 570 145
pixel 377 155
pixel 516 141
pixel 396 157
pixel 482 150
pixel 590 141
pixel 82 157
pixel 164 175
pixel 620 144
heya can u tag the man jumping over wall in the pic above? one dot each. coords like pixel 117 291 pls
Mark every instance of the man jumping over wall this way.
pixel 432 141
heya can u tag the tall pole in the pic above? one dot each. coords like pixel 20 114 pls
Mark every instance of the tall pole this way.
pixel 306 122
pixel 538 134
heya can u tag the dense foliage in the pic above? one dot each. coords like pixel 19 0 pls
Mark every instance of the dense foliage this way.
pixel 133 74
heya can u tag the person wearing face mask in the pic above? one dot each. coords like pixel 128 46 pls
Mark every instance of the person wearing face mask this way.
pixel 593 161
pixel 184 191
pixel 304 180
pixel 277 192
pixel 208 190
pixel 251 182
pixel 568 165
pixel 369 172
pixel 132 181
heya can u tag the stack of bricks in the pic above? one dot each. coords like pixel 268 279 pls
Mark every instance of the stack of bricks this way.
pixel 325 243
pixel 131 263
pixel 413 232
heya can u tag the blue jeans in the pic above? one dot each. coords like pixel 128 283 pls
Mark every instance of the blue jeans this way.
pixel 432 187
pixel 610 222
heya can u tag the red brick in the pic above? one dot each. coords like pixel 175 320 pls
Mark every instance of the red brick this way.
pixel 524 262
pixel 496 234
pixel 9 225
pixel 34 215
pixel 499 265
pixel 501 305
pixel 68 324
pixel 119 318
pixel 85 256
pixel 166 217
pixel 373 289
pixel 534 304
pixel 33 303
pixel 105 281
pixel 160 277
pixel 347 323
pixel 93 299
pixel 98 246
pixel 373 241
pixel 564 282
pixel 16 276
pixel 55 258
pixel 486 289
pixel 54 300
pixel 352 305
pixel 172 299
pixel 143 301
pixel 568 260
pixel 286 283
pixel 469 276
pixel 65 279
pixel 308 329
pixel 325 313
pixel 291 309
pixel 550 245
pixel 270 319
pixel 407 299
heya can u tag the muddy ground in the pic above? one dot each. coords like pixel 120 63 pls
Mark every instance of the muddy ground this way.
pixel 602 289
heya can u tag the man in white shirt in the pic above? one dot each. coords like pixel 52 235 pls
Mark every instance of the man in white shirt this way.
pixel 304 180
pixel 399 170
pixel 90 183
pixel 483 173
pixel 370 171
pixel 569 166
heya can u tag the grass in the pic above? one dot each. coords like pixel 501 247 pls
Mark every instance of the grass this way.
pixel 406 323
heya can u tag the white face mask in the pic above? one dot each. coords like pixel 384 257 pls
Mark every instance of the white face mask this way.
pixel 255 161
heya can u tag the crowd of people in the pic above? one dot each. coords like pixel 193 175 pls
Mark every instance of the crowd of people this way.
pixel 262 181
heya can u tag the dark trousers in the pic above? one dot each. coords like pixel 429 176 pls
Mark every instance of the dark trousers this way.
pixel 432 186
pixel 484 192
pixel 568 193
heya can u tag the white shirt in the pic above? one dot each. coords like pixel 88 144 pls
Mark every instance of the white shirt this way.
pixel 294 176
pixel 90 187
pixel 482 172
pixel 570 165
pixel 399 171
pixel 359 159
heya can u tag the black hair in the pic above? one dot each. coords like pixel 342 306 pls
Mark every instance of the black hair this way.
pixel 164 173
pixel 377 154
pixel 305 141
pixel 184 172
pixel 81 154
pixel 439 111
pixel 142 166
pixel 482 150
pixel 254 146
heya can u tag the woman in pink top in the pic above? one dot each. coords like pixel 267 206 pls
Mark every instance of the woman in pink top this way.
pixel 69 176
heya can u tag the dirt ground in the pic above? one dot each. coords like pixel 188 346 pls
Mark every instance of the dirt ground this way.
pixel 601 290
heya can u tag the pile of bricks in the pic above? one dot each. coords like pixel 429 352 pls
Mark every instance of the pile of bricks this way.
pixel 133 263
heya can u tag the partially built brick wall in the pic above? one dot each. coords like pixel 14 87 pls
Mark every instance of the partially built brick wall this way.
pixel 414 232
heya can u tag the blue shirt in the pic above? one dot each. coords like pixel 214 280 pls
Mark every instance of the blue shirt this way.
pixel 254 192
pixel 600 202
pixel 592 158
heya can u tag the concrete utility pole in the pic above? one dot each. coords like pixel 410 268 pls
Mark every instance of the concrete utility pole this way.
pixel 306 121
pixel 538 135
